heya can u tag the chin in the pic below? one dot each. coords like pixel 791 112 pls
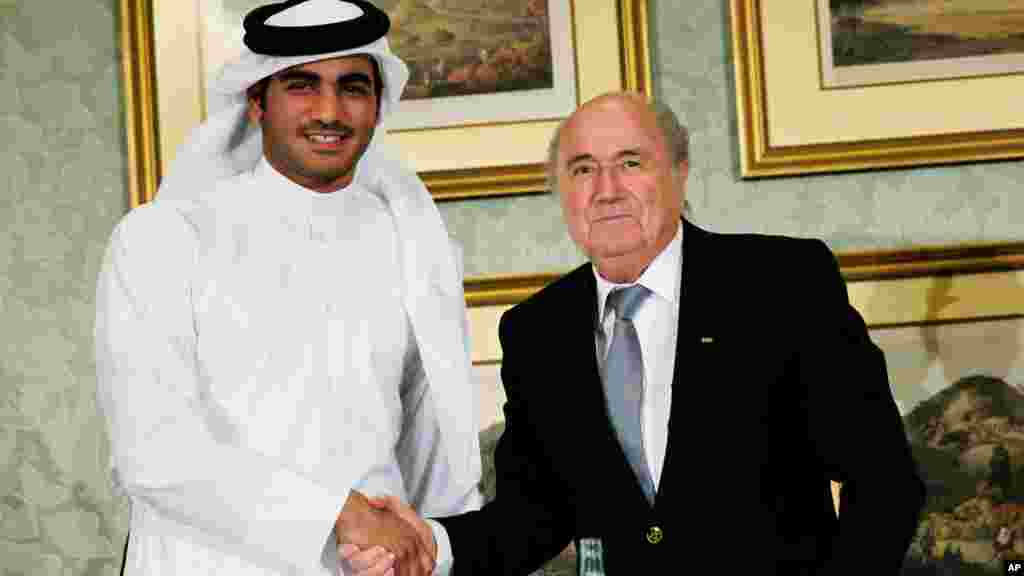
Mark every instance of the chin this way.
pixel 330 172
pixel 617 244
pixel 617 250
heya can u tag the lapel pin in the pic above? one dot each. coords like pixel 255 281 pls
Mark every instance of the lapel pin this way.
pixel 706 339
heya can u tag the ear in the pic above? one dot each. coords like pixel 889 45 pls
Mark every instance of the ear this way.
pixel 679 177
pixel 680 174
pixel 254 111
pixel 684 169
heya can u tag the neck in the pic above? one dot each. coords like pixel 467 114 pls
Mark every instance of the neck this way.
pixel 312 182
pixel 326 187
pixel 621 270
pixel 627 268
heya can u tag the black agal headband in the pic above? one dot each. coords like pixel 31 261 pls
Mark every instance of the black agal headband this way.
pixel 268 40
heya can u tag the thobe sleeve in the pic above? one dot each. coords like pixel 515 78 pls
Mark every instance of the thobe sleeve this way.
pixel 432 485
pixel 530 520
pixel 161 447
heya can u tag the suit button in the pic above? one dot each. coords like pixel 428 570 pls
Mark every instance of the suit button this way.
pixel 655 535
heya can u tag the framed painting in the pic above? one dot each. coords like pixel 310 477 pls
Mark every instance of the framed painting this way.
pixel 865 42
pixel 954 347
pixel 794 119
pixel 478 62
pixel 490 81
pixel 504 290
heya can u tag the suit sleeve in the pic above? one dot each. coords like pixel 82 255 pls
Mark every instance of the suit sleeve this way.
pixel 857 432
pixel 528 522
pixel 162 449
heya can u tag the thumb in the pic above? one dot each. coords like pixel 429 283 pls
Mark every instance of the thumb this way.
pixel 392 503
pixel 347 551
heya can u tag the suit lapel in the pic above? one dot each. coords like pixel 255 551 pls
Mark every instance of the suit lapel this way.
pixel 582 323
pixel 598 445
pixel 695 306
pixel 714 443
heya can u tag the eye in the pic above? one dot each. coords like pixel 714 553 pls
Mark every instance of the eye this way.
pixel 356 89
pixel 581 170
pixel 299 86
pixel 632 163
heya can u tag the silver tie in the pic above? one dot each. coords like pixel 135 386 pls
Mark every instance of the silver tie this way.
pixel 624 382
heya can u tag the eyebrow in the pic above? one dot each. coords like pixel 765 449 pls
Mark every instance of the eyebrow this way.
pixel 355 77
pixel 289 75
pixel 628 152
pixel 350 78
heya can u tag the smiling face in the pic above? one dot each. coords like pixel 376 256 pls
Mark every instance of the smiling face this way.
pixel 620 191
pixel 317 119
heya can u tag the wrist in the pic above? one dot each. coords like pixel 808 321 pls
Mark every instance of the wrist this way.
pixel 443 555
pixel 349 510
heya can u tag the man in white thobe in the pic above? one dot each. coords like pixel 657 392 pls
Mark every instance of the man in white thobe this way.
pixel 281 333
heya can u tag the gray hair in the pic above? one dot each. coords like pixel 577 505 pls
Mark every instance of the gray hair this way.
pixel 677 139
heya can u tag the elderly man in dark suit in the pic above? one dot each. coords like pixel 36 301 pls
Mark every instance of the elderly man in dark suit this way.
pixel 686 397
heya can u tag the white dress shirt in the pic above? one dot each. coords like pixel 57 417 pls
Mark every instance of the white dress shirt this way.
pixel 657 327
pixel 255 364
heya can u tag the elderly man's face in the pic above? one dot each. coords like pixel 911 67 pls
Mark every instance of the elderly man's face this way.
pixel 318 118
pixel 620 196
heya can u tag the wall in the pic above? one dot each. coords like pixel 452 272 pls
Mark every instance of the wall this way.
pixel 62 190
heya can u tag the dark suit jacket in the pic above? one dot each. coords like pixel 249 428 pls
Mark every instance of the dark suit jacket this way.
pixel 777 389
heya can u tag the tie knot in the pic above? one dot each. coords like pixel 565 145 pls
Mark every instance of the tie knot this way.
pixel 625 301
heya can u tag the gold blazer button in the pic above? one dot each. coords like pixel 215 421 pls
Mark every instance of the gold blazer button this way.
pixel 654 535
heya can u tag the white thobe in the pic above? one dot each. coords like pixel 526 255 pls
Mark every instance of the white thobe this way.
pixel 255 364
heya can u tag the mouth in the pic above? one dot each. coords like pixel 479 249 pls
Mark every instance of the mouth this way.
pixel 327 139
pixel 611 218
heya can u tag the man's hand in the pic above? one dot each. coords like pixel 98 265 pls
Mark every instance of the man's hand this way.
pixel 373 562
pixel 366 527
pixel 406 513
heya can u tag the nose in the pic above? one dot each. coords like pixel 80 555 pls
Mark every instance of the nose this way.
pixel 325 107
pixel 607 184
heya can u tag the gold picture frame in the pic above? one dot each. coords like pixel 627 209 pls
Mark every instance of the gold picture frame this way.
pixel 788 124
pixel 865 266
pixel 165 98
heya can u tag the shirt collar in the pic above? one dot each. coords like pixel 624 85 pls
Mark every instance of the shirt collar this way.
pixel 282 191
pixel 662 275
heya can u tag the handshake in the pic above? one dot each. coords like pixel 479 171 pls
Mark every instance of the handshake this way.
pixel 384 537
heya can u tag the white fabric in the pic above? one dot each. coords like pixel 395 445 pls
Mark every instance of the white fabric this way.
pixel 657 326
pixel 315 11
pixel 445 558
pixel 255 363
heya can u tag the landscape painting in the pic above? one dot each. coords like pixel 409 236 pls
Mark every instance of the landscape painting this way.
pixel 960 389
pixel 470 61
pixel 482 61
pixel 866 42
pixel 463 47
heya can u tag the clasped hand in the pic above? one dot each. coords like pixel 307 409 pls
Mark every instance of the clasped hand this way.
pixel 383 537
